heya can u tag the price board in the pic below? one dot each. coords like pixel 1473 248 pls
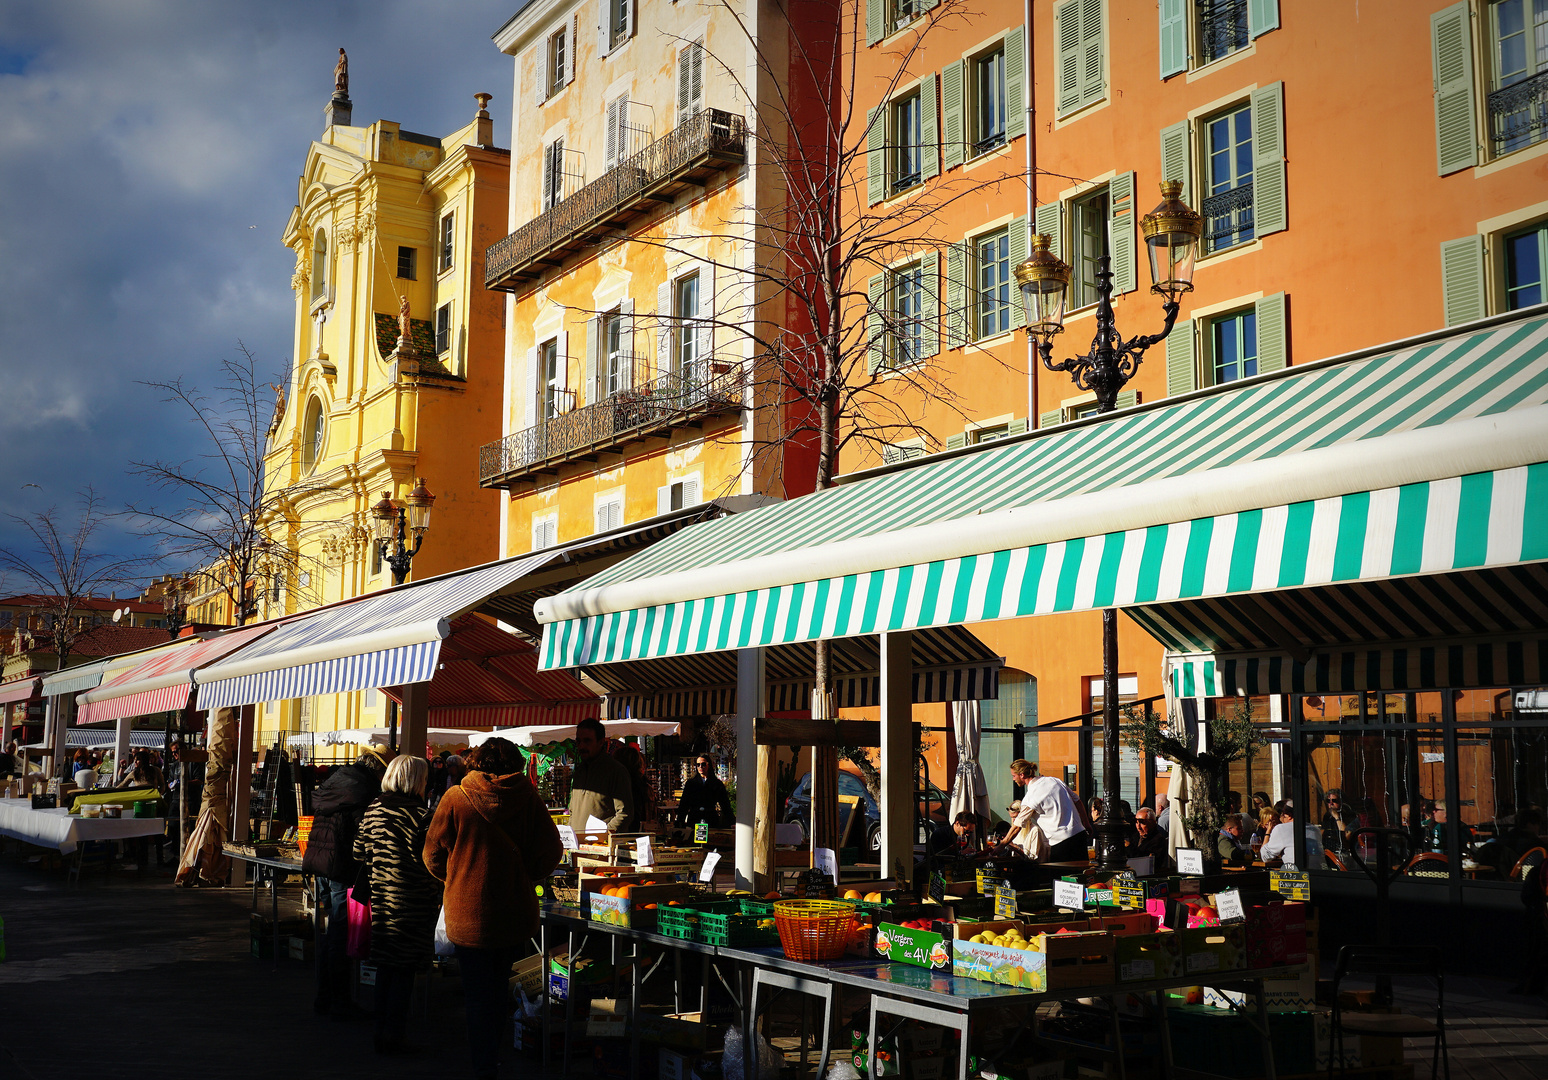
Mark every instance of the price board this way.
pixel 1190 861
pixel 938 887
pixel 1129 895
pixel 701 833
pixel 1069 894
pixel 1291 884
pixel 1229 904
pixel 1004 901
pixel 707 871
pixel 567 838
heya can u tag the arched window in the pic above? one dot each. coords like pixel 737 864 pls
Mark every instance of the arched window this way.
pixel 313 432
pixel 320 265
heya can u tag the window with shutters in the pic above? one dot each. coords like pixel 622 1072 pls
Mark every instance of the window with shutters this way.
pixel 988 101
pixel 678 494
pixel 1195 33
pixel 1232 340
pixel 558 60
pixel 1227 206
pixel 560 176
pixel 906 11
pixel 906 450
pixel 551 376
pixel 620 22
pixel 617 353
pixel 443 329
pixel 1526 257
pixel 623 138
pixel 690 81
pixel 1080 44
pixel 685 325
pixel 996 295
pixel 907 316
pixel 1222 28
pixel 609 511
pixel 1518 98
pixel 448 242
pixel 1088 245
pixel 545 531
pixel 408 258
pixel 907 143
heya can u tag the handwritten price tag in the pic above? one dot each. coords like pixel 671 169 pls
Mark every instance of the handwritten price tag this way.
pixel 1190 861
pixel 707 871
pixel 642 853
pixel 567 838
pixel 1229 904
pixel 1069 894
pixel 701 833
pixel 1291 884
pixel 826 860
pixel 1004 902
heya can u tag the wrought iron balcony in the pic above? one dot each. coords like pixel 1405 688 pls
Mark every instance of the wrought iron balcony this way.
pixel 1518 114
pixel 707 389
pixel 1222 28
pixel 708 143
pixel 1228 217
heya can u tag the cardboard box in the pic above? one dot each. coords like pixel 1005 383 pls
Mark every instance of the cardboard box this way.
pixel 1279 995
pixel 1139 957
pixel 920 948
pixel 681 1031
pixel 1132 922
pixel 1322 1020
pixel 674 1064
pixel 528 975
pixel 637 911
pixel 300 948
pixel 1208 949
pixel 608 1019
pixel 1078 959
pixel 1002 964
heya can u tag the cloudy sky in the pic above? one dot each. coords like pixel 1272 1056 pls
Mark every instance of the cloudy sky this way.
pixel 149 151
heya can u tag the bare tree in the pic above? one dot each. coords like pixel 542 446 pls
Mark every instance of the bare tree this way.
pixel 65 566
pixel 226 525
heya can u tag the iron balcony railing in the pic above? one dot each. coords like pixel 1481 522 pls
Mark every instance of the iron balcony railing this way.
pixel 1222 28
pixel 1228 218
pixel 710 137
pixel 706 388
pixel 1518 114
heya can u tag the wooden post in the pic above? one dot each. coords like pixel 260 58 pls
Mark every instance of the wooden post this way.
pixel 242 774
pixel 120 747
pixel 60 708
pixel 749 703
pixel 897 755
pixel 414 719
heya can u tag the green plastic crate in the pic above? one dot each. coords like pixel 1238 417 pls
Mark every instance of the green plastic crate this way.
pixel 677 922
pixel 734 924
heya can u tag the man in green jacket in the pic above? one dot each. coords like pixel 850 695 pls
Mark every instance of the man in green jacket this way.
pixel 600 786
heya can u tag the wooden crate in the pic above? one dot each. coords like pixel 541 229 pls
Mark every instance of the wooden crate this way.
pixel 1079 959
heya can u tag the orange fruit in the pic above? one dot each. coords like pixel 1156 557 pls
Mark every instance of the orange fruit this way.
pixel 625 891
pixel 648 907
pixel 853 894
pixel 674 903
pixel 771 895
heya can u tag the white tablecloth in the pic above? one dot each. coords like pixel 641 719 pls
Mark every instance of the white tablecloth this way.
pixel 58 829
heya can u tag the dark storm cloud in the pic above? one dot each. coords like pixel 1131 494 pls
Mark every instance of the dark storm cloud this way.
pixel 148 161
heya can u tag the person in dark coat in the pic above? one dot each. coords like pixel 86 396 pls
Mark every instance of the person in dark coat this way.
pixel 405 898
pixel 338 804
pixel 491 839
pixel 705 797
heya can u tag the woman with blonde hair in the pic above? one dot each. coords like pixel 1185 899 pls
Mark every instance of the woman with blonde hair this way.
pixel 405 898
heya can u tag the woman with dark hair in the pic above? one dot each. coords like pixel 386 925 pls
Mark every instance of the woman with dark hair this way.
pixel 491 838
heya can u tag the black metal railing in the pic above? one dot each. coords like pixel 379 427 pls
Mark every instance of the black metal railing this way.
pixel 1222 28
pixel 705 388
pixel 1228 218
pixel 1518 114
pixel 711 133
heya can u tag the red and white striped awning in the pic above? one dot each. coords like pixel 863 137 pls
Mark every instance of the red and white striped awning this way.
pixel 20 690
pixel 161 683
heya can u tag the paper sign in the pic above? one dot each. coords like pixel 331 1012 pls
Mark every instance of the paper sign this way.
pixel 707 871
pixel 826 860
pixel 1069 894
pixel 1190 861
pixel 1291 884
pixel 1229 904
pixel 567 838
pixel 595 824
pixel 642 855
pixel 701 833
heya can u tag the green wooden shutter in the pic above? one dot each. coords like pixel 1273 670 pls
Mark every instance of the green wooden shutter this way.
pixel 1067 59
pixel 1456 125
pixel 956 296
pixel 1015 84
pixel 875 20
pixel 875 324
pixel 1176 161
pixel 1017 426
pixel 1182 361
pixel 875 157
pixel 1268 159
pixel 593 349
pixel 957 441
pixel 1127 399
pixel 1051 418
pixel 1262 16
pixel 929 129
pixel 1046 218
pixel 1462 279
pixel 1093 52
pixel 1019 241
pixel 1174 37
pixel 1273 333
pixel 931 264
pixel 951 114
pixel 1120 203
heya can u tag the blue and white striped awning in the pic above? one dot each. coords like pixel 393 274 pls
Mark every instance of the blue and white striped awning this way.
pixel 384 639
pixel 1420 458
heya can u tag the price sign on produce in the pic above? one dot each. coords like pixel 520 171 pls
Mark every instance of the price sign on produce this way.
pixel 1004 901
pixel 701 833
pixel 707 871
pixel 1190 861
pixel 938 887
pixel 1229 904
pixel 567 838
pixel 642 855
pixel 1129 895
pixel 1069 894
pixel 1291 884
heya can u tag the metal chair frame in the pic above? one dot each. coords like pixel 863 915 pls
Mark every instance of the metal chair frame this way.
pixel 1385 961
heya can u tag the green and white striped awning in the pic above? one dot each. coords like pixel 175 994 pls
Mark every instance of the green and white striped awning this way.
pixel 1421 458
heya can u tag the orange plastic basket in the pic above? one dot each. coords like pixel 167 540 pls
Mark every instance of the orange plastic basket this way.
pixel 813 929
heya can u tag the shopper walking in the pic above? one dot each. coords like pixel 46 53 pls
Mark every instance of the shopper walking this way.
pixel 405 898
pixel 600 787
pixel 490 840
pixel 705 798
pixel 338 804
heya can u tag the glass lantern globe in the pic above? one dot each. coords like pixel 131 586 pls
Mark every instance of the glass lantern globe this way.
pixel 1044 280
pixel 419 502
pixel 1172 232
pixel 384 518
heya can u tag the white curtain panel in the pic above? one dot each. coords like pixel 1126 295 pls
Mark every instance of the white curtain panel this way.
pixel 968 790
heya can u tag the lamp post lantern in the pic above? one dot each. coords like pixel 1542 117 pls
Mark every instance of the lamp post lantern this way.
pixel 395 524
pixel 1171 232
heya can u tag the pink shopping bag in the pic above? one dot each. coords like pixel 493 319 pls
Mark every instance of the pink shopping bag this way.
pixel 358 944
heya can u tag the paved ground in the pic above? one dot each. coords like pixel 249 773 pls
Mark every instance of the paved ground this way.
pixel 135 980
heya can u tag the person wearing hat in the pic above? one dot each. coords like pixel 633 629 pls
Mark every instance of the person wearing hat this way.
pixel 338 805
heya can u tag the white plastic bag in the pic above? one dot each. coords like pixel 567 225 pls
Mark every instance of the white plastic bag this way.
pixel 443 945
pixel 769 1059
pixel 842 1070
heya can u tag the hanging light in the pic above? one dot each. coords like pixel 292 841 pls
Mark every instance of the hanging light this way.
pixel 1044 280
pixel 385 518
pixel 419 502
pixel 1172 232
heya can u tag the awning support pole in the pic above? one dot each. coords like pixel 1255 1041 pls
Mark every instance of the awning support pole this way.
pixel 121 745
pixel 897 756
pixel 242 775
pixel 414 719
pixel 59 712
pixel 749 698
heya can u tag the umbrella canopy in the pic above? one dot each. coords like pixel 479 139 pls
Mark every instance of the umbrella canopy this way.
pixel 542 736
pixel 968 789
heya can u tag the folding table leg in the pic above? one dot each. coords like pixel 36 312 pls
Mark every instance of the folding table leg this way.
pixel 1266 1043
pixel 957 1021
pixel 1112 1005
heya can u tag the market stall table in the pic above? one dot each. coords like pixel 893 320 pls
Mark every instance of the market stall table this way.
pixel 277 867
pixel 64 831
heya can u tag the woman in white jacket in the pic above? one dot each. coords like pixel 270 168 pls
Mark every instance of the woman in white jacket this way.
pixel 1281 841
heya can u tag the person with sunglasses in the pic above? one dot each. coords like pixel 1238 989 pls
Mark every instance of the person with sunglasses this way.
pixel 705 797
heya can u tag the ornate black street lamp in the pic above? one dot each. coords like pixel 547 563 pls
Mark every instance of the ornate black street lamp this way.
pixel 174 601
pixel 1172 232
pixel 394 525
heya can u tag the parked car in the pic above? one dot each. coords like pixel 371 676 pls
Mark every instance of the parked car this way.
pixel 933 803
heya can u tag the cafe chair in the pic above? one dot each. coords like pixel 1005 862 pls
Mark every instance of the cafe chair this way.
pixel 1372 961
pixel 1333 861
pixel 1523 867
pixel 1428 864
pixel 91 855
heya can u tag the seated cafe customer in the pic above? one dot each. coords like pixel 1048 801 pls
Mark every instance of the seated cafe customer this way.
pixel 1280 845
pixel 954 840
pixel 1152 840
pixel 1232 844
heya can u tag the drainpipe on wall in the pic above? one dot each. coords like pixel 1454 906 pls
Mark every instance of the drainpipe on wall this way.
pixel 1028 84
